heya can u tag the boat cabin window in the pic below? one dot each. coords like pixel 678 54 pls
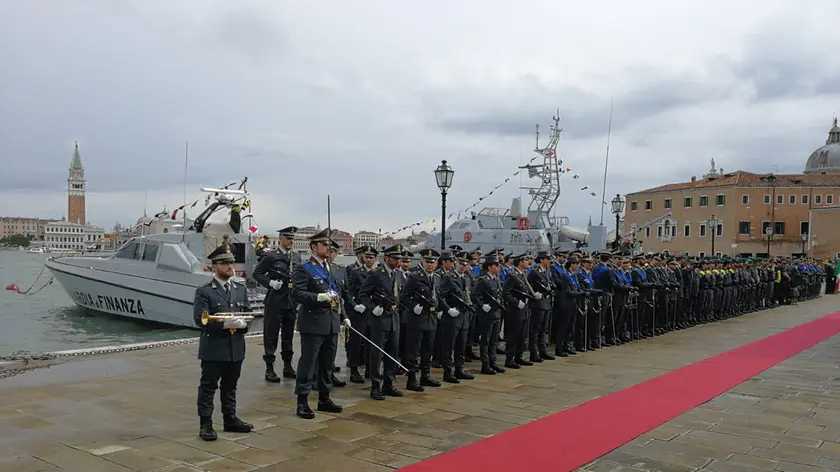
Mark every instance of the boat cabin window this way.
pixel 129 251
pixel 150 251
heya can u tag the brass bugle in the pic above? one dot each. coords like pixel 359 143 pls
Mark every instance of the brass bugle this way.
pixel 222 317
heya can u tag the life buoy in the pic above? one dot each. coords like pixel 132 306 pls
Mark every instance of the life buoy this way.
pixel 467 237
pixel 523 222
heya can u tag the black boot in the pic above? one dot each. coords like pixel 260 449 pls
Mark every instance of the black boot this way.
pixel 427 381
pixel 303 409
pixel 499 370
pixel 546 356
pixel 412 383
pixel 206 431
pixel 270 375
pixel 376 392
pixel 448 377
pixel 235 425
pixel 355 376
pixel 337 382
pixel 487 370
pixel 288 370
pixel 326 404
pixel 461 375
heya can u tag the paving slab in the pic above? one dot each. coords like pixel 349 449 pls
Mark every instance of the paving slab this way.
pixel 135 411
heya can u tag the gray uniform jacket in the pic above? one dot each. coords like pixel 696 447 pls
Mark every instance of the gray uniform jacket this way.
pixel 216 343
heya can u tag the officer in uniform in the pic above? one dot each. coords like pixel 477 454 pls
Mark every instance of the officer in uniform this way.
pixel 274 272
pixel 380 295
pixel 517 292
pixel 356 276
pixel 317 294
pixel 221 347
pixel 420 302
pixel 489 297
pixel 540 307
pixel 456 319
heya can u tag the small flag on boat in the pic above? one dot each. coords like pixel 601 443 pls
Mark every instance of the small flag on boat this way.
pixel 175 214
pixel 253 228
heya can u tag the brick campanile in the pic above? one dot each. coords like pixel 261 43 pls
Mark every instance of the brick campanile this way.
pixel 76 189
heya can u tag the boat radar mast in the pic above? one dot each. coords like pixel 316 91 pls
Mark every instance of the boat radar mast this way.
pixel 545 196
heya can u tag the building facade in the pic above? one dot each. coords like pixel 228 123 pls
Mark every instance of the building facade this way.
pixel 30 227
pixel 743 213
pixel 366 238
pixel 76 189
pixel 71 236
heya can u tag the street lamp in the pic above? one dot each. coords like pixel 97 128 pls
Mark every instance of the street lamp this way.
pixel 443 176
pixel 804 237
pixel 712 223
pixel 617 208
pixel 769 233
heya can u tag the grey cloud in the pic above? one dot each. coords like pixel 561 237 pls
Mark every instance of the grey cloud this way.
pixel 249 32
pixel 585 115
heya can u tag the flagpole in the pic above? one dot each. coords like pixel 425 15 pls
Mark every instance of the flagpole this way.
pixel 606 165
pixel 186 161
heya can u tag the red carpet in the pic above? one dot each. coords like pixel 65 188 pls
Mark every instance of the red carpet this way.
pixel 571 438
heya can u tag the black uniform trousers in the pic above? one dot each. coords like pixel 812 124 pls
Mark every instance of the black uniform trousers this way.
pixel 516 333
pixel 538 324
pixel 389 341
pixel 455 342
pixel 418 346
pixel 564 315
pixel 221 375
pixel 315 366
pixel 488 340
pixel 354 341
pixel 278 324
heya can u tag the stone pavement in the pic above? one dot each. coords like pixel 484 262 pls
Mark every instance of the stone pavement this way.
pixel 136 411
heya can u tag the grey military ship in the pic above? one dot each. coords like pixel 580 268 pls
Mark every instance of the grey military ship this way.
pixel 530 231
pixel 154 277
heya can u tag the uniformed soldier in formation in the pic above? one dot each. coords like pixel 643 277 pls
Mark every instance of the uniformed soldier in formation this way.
pixel 403 271
pixel 339 273
pixel 318 295
pixel 380 295
pixel 274 272
pixel 455 320
pixel 356 275
pixel 539 278
pixel 489 297
pixel 221 347
pixel 419 299
pixel 517 293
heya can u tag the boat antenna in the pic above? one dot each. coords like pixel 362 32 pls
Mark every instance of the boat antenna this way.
pixel 145 214
pixel 606 165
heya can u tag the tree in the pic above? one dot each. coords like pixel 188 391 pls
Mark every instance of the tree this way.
pixel 15 240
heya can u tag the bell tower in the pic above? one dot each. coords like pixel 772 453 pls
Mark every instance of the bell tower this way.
pixel 76 189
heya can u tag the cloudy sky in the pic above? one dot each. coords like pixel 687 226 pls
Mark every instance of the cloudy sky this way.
pixel 361 100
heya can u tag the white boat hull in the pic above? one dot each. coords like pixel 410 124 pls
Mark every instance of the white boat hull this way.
pixel 149 300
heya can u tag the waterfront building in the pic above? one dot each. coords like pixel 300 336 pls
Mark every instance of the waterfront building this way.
pixel 744 213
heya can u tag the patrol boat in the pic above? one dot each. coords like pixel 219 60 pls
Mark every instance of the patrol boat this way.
pixel 519 232
pixel 154 277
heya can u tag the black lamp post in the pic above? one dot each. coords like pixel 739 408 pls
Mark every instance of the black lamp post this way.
pixel 712 223
pixel 617 208
pixel 804 237
pixel 443 175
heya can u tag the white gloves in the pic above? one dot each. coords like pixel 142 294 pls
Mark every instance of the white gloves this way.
pixel 347 322
pixel 418 309
pixel 520 305
pixel 324 297
pixel 235 324
pixel 275 284
pixel 359 308
pixel 485 308
pixel 538 295
pixel 440 314
pixel 453 312
pixel 377 311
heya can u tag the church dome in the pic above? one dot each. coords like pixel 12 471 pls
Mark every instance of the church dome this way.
pixel 826 159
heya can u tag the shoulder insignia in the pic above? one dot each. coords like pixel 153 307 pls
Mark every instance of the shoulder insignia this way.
pixel 212 284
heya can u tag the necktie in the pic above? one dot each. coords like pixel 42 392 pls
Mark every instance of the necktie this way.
pixel 227 288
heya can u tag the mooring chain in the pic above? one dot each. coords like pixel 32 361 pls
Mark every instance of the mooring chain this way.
pixel 26 356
